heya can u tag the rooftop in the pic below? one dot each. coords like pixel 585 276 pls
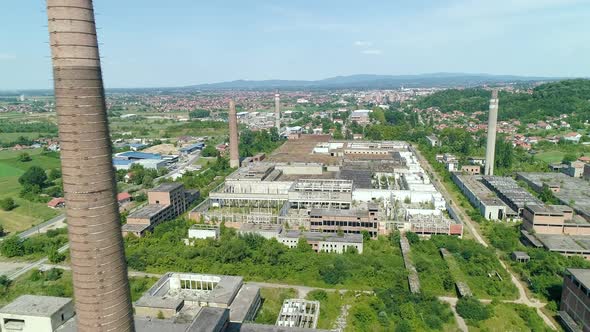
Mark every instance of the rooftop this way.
pixel 35 305
pixel 167 187
pixel 139 155
pixel 148 211
pixel 243 302
pixel 574 244
pixel 582 275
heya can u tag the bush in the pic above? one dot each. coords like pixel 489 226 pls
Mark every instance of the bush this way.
pixel 472 309
pixel 24 157
pixel 7 204
pixel 55 256
pixel 318 295
pixel 12 247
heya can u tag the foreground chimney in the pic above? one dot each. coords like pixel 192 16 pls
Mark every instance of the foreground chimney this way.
pixel 491 144
pixel 234 155
pixel 101 288
pixel 278 112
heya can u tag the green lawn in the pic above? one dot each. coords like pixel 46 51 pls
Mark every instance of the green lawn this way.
pixel 27 213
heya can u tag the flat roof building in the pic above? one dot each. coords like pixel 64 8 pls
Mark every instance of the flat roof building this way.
pixel 165 202
pixel 33 313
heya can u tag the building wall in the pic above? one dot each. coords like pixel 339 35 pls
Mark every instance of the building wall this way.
pixel 154 312
pixel 471 169
pixel 31 323
pixel 576 303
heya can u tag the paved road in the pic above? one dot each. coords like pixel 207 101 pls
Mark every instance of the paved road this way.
pixel 34 265
pixel 181 166
pixel 522 295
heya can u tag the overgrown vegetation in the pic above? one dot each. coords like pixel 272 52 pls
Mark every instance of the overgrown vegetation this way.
pixel 35 246
pixel 544 272
pixel 256 258
pixel 550 99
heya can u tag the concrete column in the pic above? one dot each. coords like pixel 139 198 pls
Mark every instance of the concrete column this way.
pixel 101 288
pixel 491 143
pixel 234 154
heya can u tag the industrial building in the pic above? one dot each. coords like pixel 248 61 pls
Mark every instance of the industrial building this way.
pixel 553 219
pixel 565 188
pixel 327 186
pixel 481 197
pixel 574 310
pixel 511 192
pixel 178 302
pixel 165 202
pixel 323 242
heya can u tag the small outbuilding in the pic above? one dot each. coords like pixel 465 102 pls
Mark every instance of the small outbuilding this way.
pixel 521 256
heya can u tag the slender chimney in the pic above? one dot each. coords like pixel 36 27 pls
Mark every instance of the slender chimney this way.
pixel 491 144
pixel 101 287
pixel 234 154
pixel 278 112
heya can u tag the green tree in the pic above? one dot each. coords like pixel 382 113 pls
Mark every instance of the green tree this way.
pixel 54 174
pixel 34 176
pixel 209 151
pixel 7 204
pixel 568 157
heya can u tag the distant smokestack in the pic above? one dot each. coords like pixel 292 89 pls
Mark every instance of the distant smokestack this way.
pixel 234 154
pixel 491 145
pixel 278 112
pixel 101 288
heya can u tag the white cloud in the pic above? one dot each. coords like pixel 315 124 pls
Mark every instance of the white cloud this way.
pixel 372 52
pixel 6 56
pixel 362 43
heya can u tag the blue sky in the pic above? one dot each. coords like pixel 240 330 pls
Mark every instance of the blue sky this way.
pixel 148 43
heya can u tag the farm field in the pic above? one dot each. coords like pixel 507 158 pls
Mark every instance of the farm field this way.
pixel 553 156
pixel 27 213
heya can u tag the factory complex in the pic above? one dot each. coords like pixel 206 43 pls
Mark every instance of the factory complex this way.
pixel 340 189
pixel 177 302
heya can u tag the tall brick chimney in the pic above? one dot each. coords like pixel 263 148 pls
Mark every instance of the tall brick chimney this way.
pixel 101 287
pixel 234 154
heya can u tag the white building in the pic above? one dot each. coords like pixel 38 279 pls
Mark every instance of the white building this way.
pixel 201 232
pixel 31 313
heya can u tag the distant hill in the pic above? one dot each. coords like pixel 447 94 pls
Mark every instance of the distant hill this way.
pixel 549 99
pixel 366 81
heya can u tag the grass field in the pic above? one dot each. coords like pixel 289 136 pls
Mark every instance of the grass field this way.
pixel 553 156
pixel 435 277
pixel 27 213
pixel 510 317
